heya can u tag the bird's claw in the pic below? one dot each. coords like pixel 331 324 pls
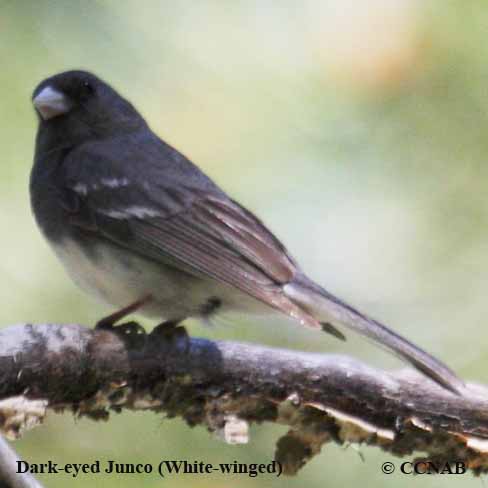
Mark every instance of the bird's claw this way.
pixel 173 335
pixel 128 328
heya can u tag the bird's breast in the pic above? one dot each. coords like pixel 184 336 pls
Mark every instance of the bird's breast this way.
pixel 120 277
pixel 114 275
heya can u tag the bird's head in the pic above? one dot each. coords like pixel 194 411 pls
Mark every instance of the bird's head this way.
pixel 82 106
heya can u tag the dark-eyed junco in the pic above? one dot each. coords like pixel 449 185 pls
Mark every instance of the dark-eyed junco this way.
pixel 140 226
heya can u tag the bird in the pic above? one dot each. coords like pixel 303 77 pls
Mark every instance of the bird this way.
pixel 139 226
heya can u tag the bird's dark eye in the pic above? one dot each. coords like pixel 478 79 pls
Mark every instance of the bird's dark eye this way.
pixel 88 88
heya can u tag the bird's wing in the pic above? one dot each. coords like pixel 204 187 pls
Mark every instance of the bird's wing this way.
pixel 204 233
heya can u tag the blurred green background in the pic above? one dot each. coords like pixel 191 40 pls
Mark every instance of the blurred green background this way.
pixel 356 130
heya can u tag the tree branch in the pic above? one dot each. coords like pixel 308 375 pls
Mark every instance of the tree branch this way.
pixel 9 478
pixel 226 385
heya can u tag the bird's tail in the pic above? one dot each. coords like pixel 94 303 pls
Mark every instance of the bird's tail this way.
pixel 329 309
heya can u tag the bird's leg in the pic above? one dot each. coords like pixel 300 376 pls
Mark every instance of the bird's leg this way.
pixel 172 334
pixel 108 322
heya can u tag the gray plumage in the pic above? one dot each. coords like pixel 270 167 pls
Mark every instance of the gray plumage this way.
pixel 131 217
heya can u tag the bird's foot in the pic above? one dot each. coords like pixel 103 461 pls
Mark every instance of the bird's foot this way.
pixel 131 333
pixel 129 328
pixel 172 335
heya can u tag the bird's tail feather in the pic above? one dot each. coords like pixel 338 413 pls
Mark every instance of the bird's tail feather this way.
pixel 330 309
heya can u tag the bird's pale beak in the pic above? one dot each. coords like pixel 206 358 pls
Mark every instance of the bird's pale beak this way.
pixel 51 103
